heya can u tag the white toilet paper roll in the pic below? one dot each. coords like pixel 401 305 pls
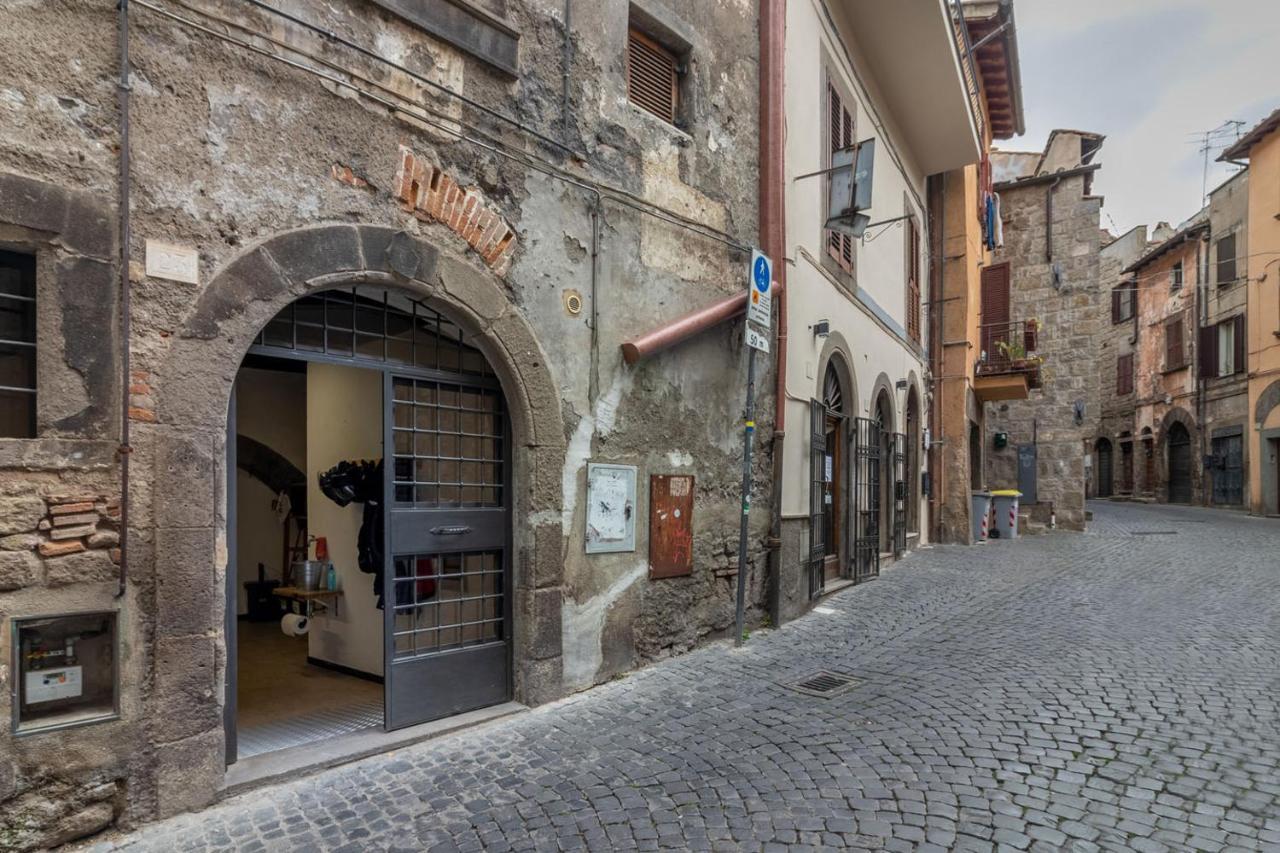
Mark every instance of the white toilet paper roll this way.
pixel 295 625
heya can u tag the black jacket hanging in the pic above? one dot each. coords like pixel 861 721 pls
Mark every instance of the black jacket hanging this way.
pixel 361 482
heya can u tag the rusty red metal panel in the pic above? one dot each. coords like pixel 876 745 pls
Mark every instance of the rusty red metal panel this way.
pixel 670 525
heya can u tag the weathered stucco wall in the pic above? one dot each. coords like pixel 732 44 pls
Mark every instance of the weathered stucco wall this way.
pixel 239 157
pixel 1062 416
pixel 1114 341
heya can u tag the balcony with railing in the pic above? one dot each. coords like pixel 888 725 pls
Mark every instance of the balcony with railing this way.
pixel 1008 365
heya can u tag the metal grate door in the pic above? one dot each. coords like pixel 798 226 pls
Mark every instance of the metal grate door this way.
pixel 866 499
pixel 817 495
pixel 899 445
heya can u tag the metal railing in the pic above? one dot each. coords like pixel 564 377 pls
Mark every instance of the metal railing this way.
pixel 1009 346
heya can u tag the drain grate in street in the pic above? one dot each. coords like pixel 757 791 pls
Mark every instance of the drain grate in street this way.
pixel 825 684
pixel 1153 533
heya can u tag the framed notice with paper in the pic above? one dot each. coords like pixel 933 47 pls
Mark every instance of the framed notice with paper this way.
pixel 611 508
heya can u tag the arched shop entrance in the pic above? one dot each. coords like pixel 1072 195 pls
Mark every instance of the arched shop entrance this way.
pixel 185 454
pixel 392 564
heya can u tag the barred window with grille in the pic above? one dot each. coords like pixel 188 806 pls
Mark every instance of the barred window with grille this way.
pixel 17 345
pixel 653 77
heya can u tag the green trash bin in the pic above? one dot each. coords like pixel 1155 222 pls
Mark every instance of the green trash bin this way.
pixel 1006 509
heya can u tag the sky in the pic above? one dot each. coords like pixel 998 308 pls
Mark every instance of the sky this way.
pixel 1152 76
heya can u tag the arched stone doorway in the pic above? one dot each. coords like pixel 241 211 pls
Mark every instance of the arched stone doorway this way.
pixel 1148 485
pixel 1104 469
pixel 401 426
pixel 186 447
pixel 914 447
pixel 883 416
pixel 1178 441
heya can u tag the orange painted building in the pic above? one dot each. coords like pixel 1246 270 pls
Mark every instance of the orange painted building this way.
pixel 1261 149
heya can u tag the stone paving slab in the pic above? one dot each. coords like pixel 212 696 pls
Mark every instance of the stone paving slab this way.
pixel 1114 690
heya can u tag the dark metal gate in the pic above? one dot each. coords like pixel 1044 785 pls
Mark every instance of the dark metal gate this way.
pixel 1179 465
pixel 446 607
pixel 1228 470
pixel 817 495
pixel 867 459
pixel 899 445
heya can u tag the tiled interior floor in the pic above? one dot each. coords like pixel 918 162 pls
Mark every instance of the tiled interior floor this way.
pixel 282 701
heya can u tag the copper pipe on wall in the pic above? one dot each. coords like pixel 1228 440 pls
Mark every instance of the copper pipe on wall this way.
pixel 672 333
pixel 773 242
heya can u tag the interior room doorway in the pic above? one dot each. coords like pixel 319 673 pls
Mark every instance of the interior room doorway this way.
pixel 370 548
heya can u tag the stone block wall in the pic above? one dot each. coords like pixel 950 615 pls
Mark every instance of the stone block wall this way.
pixel 1061 418
pixel 339 204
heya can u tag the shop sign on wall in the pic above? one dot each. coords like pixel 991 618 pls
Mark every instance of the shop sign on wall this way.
pixel 611 508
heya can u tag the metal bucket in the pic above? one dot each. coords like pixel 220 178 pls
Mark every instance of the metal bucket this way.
pixel 310 574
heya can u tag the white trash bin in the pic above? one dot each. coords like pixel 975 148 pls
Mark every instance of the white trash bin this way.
pixel 1006 511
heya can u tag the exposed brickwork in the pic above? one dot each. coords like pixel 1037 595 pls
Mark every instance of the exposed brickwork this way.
pixel 431 194
pixel 142 406
pixel 345 174
pixel 37 547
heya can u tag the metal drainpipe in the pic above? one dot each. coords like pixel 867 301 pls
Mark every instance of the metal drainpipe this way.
pixel 593 388
pixel 1201 315
pixel 125 235
pixel 566 60
pixel 773 23
pixel 936 413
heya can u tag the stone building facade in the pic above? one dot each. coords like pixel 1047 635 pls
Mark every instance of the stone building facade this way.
pixel 486 167
pixel 1110 469
pixel 1169 277
pixel 1222 368
pixel 1051 246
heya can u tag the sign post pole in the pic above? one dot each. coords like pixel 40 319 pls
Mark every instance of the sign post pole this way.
pixel 759 310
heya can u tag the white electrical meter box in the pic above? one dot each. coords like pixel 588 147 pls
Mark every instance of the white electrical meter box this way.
pixel 67 670
pixel 49 684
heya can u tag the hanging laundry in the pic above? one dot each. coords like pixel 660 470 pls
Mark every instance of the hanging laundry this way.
pixel 999 223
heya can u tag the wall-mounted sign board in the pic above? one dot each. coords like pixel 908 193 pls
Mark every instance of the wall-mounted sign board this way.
pixel 66 670
pixel 670 525
pixel 611 508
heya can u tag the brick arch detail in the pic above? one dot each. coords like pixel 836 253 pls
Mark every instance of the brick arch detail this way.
pixel 1176 415
pixel 1267 400
pixel 180 517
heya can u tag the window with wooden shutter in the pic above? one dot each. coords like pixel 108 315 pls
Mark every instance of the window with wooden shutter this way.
pixel 840 133
pixel 1174 355
pixel 653 77
pixel 1122 302
pixel 1175 277
pixel 1226 256
pixel 913 279
pixel 1240 340
pixel 1209 352
pixel 1124 374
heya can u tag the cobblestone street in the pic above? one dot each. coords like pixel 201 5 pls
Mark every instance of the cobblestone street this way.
pixel 1116 690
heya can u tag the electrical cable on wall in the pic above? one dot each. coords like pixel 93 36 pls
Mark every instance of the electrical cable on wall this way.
pixel 424 114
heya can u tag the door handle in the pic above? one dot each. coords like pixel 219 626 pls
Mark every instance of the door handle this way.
pixel 456 530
